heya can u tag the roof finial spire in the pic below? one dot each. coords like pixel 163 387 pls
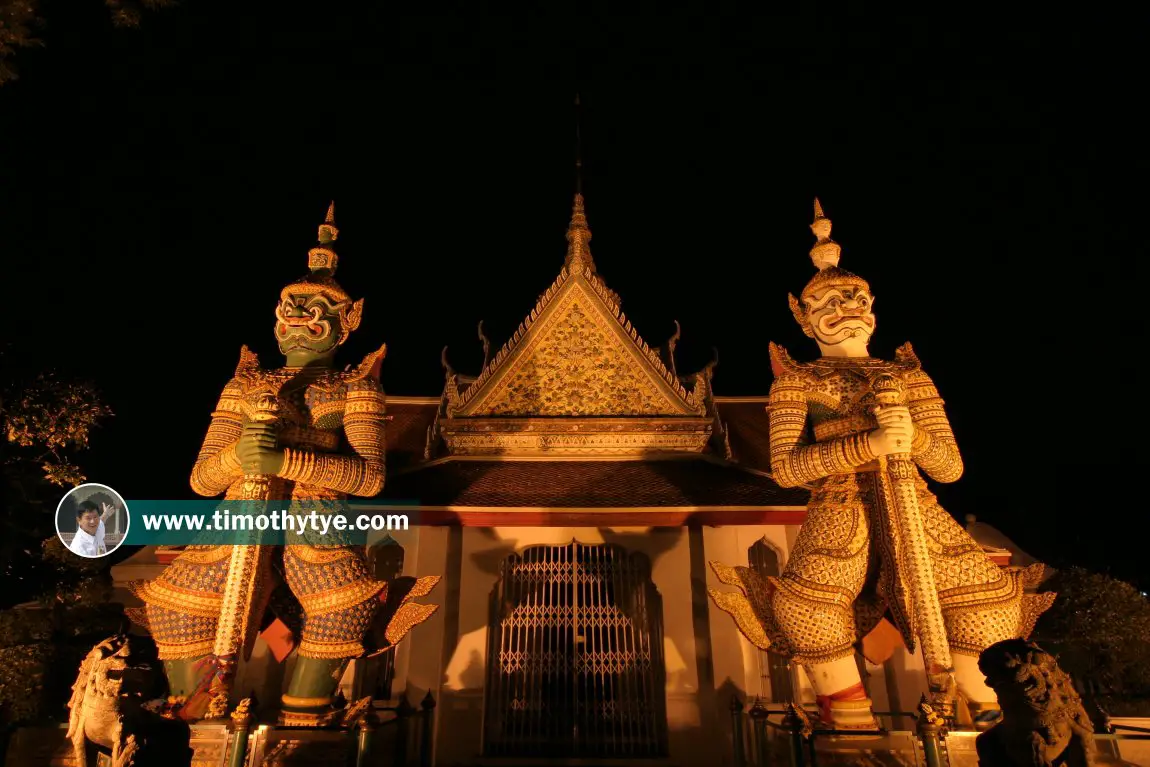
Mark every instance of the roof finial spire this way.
pixel 578 240
pixel 578 146
pixel 578 233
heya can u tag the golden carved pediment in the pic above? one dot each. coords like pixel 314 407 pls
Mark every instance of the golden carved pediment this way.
pixel 576 356
pixel 580 436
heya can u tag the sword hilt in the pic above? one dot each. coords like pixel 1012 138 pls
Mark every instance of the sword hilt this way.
pixel 267 408
pixel 889 390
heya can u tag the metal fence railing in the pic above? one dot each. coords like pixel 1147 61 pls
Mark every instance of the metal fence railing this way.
pixel 782 736
pixel 399 736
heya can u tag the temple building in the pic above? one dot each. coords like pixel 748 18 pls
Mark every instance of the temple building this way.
pixel 571 493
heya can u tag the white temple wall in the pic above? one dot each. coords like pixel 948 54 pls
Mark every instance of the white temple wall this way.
pixel 413 566
pixel 420 656
pixel 909 673
pixel 736 661
pixel 697 712
pixel 460 713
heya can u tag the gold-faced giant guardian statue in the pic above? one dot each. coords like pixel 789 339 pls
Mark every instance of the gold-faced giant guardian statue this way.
pixel 305 435
pixel 860 432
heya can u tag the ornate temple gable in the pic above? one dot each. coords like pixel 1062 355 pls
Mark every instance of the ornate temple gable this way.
pixel 576 377
pixel 577 355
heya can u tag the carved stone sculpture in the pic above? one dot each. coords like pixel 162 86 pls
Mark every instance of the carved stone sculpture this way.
pixel 1043 720
pixel 117 681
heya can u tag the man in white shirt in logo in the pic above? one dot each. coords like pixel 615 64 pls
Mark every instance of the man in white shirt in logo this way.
pixel 89 538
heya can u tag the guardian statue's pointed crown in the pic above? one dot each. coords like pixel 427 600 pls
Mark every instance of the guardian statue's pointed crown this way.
pixel 825 255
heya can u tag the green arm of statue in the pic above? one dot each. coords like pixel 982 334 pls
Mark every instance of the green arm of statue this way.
pixel 361 474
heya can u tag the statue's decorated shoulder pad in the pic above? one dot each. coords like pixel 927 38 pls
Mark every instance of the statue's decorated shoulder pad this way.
pixel 248 372
pixel 920 386
pixel 246 377
pixel 249 362
pixel 906 359
pixel 782 363
pixel 367 372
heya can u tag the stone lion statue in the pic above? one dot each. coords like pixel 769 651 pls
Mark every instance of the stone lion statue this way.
pixel 114 705
pixel 1044 723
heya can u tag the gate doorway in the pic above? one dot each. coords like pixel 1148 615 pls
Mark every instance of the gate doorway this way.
pixel 575 656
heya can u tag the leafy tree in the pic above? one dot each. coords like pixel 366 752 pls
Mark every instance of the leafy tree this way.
pixel 20 20
pixel 17 18
pixel 1100 629
pixel 45 419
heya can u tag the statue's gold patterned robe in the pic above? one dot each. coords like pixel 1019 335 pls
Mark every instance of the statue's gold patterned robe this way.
pixel 846 570
pixel 332 430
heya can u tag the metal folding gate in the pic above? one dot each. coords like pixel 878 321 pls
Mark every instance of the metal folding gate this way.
pixel 575 656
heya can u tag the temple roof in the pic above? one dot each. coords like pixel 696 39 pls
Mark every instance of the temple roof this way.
pixel 576 379
pixel 576 354
pixel 704 481
pixel 409 419
pixel 578 411
pixel 747 428
pixel 686 482
pixel 992 538
pixel 744 418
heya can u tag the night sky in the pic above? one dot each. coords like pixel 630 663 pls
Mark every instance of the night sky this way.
pixel 158 187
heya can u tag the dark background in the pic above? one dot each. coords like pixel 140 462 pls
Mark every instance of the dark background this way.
pixel 158 187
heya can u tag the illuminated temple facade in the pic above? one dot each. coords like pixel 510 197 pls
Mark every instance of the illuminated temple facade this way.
pixel 571 494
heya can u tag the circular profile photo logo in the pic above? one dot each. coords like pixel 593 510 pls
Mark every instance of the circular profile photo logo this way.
pixel 92 520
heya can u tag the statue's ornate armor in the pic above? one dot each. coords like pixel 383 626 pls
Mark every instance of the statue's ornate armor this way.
pixel 846 568
pixel 332 430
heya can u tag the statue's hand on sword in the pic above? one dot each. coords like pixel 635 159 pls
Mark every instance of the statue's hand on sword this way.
pixel 258 449
pixel 895 430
